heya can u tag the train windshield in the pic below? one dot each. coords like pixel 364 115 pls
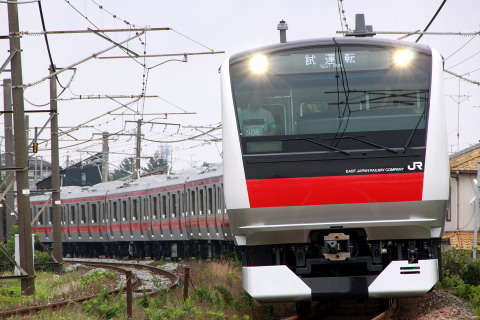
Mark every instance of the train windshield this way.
pixel 331 98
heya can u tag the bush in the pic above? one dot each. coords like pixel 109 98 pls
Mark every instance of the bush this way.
pixel 96 276
pixel 454 262
pixel 104 306
pixel 471 273
pixel 43 257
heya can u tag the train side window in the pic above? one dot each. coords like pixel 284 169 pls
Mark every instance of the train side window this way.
pixel 114 211
pixel 210 202
pixel 201 202
pixel 193 203
pixel 94 213
pixel 174 205
pixel 83 213
pixel 125 209
pixel 146 208
pixel 135 209
pixel 50 215
pixel 64 220
pixel 155 207
pixel 40 218
pixel 72 214
pixel 220 200
pixel 164 207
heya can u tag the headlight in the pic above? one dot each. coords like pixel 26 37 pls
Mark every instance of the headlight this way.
pixel 403 57
pixel 259 64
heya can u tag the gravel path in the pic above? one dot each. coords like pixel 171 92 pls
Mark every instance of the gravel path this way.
pixel 436 305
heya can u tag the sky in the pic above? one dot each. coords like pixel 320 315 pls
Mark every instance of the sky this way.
pixel 193 87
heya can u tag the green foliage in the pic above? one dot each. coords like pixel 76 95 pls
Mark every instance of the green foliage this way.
pixel 462 276
pixel 43 257
pixel 203 294
pixel 104 306
pixel 96 277
pixel 471 273
pixel 156 163
pixel 144 301
pixel 223 296
pixel 454 262
pixel 125 169
pixel 5 263
pixel 188 311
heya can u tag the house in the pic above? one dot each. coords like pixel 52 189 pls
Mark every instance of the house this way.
pixel 459 222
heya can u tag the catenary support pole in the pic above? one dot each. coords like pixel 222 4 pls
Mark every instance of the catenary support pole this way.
pixel 105 157
pixel 476 213
pixel 21 156
pixel 139 145
pixel 56 207
pixel 8 155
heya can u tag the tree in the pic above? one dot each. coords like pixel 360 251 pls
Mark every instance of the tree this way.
pixel 156 163
pixel 125 169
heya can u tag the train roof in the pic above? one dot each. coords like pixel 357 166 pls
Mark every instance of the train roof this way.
pixel 333 41
pixel 133 185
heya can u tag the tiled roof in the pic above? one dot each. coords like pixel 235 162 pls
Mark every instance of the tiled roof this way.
pixel 466 160
pixel 460 240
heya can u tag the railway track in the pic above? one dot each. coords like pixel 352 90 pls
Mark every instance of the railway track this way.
pixel 120 267
pixel 350 311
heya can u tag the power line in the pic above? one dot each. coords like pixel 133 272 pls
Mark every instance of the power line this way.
pixel 431 21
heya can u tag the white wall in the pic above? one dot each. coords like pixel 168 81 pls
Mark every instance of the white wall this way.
pixel 462 191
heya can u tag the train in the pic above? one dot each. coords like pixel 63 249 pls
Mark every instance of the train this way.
pixel 334 182
pixel 336 172
pixel 157 216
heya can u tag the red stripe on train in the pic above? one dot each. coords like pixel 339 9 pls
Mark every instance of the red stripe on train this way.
pixel 309 191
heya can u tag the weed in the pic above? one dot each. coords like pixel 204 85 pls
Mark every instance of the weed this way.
pixel 144 301
pixel 96 276
pixel 104 306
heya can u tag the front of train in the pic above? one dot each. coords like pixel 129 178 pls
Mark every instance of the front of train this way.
pixel 336 168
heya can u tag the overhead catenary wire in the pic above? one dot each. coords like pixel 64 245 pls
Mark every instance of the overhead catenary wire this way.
pixel 433 19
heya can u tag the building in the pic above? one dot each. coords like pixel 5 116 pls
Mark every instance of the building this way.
pixel 459 224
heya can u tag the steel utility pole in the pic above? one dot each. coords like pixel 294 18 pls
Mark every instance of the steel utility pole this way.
pixel 105 157
pixel 56 209
pixel 21 156
pixel 8 155
pixel 139 145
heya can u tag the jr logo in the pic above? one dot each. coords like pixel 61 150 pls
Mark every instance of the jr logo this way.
pixel 415 165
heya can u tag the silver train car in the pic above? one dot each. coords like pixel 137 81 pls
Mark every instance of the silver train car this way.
pixel 336 171
pixel 155 216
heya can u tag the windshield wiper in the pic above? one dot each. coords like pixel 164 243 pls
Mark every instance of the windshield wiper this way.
pixel 369 143
pixel 321 144
pixel 413 132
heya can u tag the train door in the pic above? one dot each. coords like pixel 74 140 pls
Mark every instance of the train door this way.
pixel 194 229
pixel 65 232
pixel 136 222
pixel 147 217
pixel 95 231
pixel 166 226
pixel 84 222
pixel 49 222
pixel 211 220
pixel 175 214
pixel 126 222
pixel 74 221
pixel 220 211
pixel 116 218
pixel 202 219
pixel 186 212
pixel 156 217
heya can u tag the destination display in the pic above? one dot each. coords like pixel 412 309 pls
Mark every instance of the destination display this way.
pixel 316 61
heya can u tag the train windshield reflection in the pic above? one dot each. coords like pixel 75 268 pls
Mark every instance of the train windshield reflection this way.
pixel 354 91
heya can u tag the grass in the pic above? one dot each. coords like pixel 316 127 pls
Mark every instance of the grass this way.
pixel 50 287
pixel 462 276
pixel 215 292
